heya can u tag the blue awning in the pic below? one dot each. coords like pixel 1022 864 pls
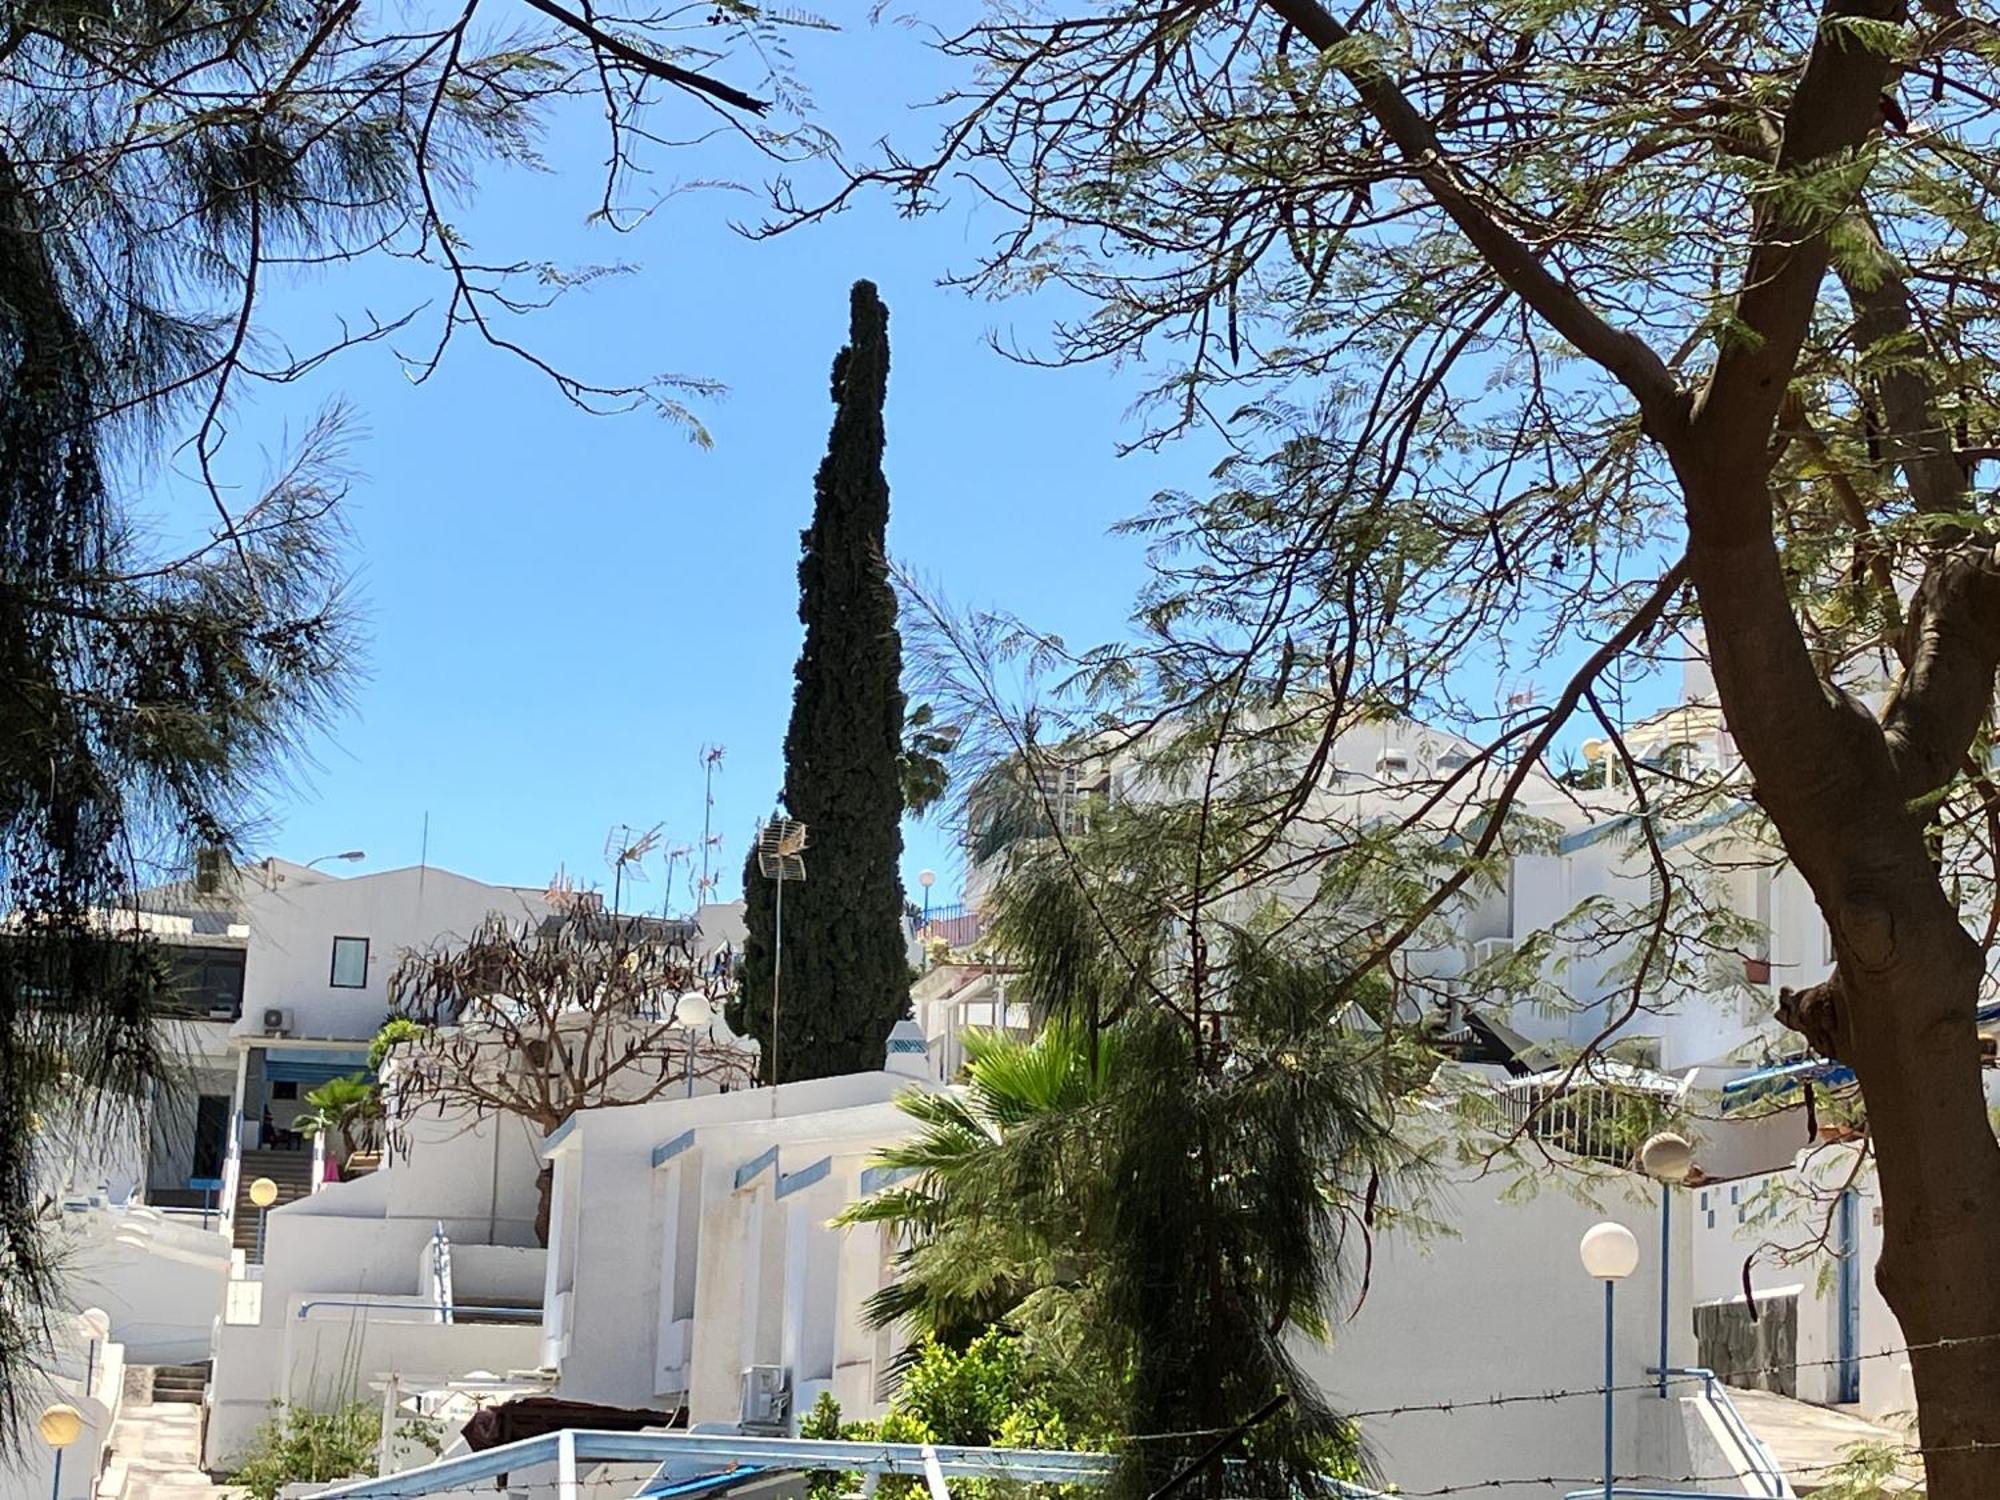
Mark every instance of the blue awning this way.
pixel 310 1067
pixel 662 1486
pixel 1768 1083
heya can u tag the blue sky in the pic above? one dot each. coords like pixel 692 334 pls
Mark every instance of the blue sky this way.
pixel 562 610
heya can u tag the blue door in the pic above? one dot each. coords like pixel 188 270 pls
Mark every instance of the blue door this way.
pixel 1847 1232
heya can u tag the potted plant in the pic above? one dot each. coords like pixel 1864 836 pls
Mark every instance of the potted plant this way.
pixel 347 1107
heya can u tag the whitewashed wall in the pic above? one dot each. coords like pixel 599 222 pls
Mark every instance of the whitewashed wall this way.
pixel 1502 1306
pixel 750 1273
pixel 293 924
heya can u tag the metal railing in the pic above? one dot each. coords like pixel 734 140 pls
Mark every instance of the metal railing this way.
pixel 957 924
pixel 1763 1466
pixel 232 1176
pixel 498 1314
pixel 441 1272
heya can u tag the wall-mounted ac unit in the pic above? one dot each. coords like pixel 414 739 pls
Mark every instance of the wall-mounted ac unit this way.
pixel 277 1021
pixel 1491 950
pixel 767 1399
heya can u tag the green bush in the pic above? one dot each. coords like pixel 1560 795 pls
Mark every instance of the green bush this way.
pixel 981 1396
pixel 302 1446
pixel 395 1031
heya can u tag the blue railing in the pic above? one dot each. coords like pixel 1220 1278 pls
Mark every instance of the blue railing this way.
pixel 1763 1466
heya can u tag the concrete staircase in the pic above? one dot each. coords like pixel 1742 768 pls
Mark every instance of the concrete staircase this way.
pixel 179 1384
pixel 290 1170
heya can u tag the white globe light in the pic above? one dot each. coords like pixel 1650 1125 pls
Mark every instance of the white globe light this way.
pixel 693 1011
pixel 1667 1157
pixel 927 878
pixel 1609 1252
pixel 60 1425
pixel 263 1192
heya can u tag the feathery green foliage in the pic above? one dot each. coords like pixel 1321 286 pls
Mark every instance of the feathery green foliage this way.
pixel 845 974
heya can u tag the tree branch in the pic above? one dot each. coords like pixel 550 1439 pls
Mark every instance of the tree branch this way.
pixel 1836 107
pixel 645 62
pixel 1624 355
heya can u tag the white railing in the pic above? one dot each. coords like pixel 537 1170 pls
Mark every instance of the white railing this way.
pixel 232 1174
pixel 319 1162
pixel 441 1272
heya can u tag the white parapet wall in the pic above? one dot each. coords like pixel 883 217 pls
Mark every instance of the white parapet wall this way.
pixel 159 1278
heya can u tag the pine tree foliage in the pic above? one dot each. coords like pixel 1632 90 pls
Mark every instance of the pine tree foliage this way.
pixel 163 168
pixel 845 979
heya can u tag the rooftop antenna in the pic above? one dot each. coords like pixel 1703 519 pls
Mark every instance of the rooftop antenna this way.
pixel 781 857
pixel 626 848
pixel 711 762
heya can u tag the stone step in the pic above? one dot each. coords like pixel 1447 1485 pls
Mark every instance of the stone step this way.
pixel 179 1384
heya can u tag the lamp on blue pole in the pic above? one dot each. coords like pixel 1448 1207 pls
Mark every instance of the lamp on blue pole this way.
pixel 1610 1254
pixel 60 1425
pixel 1668 1159
pixel 263 1193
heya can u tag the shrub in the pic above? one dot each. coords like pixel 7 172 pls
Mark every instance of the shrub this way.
pixel 302 1446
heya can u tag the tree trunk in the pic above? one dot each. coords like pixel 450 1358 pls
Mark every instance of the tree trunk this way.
pixel 1900 1008
pixel 1939 1170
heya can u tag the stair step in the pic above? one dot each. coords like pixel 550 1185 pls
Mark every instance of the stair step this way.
pixel 182 1385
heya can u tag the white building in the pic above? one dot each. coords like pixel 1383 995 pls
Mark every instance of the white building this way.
pixel 422 1273
pixel 692 1269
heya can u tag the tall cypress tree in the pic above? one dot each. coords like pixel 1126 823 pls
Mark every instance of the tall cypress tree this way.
pixel 846 978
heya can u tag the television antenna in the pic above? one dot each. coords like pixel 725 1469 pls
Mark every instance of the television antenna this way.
pixel 781 857
pixel 626 848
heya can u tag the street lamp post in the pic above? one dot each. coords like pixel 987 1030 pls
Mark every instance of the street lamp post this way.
pixel 693 1013
pixel 263 1193
pixel 927 879
pixel 60 1425
pixel 350 855
pixel 1668 1159
pixel 1610 1254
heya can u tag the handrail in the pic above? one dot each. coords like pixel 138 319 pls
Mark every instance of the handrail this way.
pixel 1763 1465
pixel 525 1314
pixel 232 1177
pixel 441 1272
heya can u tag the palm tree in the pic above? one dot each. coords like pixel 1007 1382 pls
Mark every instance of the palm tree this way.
pixel 346 1105
pixel 1006 1186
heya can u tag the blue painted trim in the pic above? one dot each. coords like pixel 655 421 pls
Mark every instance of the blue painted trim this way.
pixel 666 1151
pixel 805 1177
pixel 561 1133
pixel 1583 838
pixel 908 1044
pixel 747 1173
pixel 874 1179
pixel 1696 829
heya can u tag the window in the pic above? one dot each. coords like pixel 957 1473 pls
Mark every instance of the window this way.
pixel 350 963
pixel 284 1088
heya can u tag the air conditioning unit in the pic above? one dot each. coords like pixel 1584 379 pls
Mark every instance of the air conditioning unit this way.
pixel 767 1399
pixel 1491 950
pixel 277 1021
